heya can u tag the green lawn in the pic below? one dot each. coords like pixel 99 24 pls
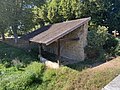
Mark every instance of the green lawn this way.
pixel 10 55
pixel 16 73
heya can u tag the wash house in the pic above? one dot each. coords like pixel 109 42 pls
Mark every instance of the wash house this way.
pixel 65 40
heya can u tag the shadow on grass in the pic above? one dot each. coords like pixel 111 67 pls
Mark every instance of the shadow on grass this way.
pixel 52 57
pixel 84 65
pixel 79 66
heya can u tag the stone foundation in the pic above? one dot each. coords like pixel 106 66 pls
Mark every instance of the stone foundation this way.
pixel 49 64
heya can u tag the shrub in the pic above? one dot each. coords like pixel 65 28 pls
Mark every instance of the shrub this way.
pixel 58 79
pixel 96 40
pixel 117 51
pixel 36 68
pixel 48 80
pixel 101 45
pixel 111 45
pixel 97 37
pixel 9 55
pixel 20 81
pixel 49 75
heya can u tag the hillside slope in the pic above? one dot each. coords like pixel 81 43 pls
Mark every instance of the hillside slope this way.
pixel 36 76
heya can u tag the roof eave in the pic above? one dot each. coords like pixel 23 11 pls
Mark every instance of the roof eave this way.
pixel 68 31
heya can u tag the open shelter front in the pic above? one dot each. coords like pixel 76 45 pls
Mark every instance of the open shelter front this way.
pixel 66 40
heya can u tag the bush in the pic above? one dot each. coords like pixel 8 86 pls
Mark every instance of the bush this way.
pixel 111 45
pixel 96 40
pixel 118 48
pixel 21 80
pixel 36 68
pixel 48 80
pixel 9 55
pixel 101 45
pixel 97 37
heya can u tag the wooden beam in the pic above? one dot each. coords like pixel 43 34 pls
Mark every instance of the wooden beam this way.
pixel 61 34
pixel 29 48
pixel 58 51
pixel 40 50
pixel 70 39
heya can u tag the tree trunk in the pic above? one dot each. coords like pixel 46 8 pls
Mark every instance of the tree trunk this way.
pixel 15 34
pixel 15 37
pixel 3 36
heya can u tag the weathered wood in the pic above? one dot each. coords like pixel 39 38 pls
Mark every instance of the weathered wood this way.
pixel 61 33
pixel 40 50
pixel 29 48
pixel 58 51
pixel 57 31
pixel 70 39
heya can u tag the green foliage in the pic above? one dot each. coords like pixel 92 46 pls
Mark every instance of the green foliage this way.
pixel 36 77
pixel 4 20
pixel 24 15
pixel 97 37
pixel 70 9
pixel 111 45
pixel 117 50
pixel 101 45
pixel 55 11
pixel 102 12
pixel 11 56
pixel 48 80
pixel 19 81
pixel 49 75
pixel 36 68
pixel 57 79
pixel 16 16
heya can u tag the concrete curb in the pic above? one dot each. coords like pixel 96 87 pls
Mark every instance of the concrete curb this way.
pixel 113 85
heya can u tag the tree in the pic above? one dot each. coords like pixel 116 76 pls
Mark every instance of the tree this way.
pixel 23 15
pixel 70 9
pixel 54 12
pixel 40 15
pixel 20 16
pixel 4 20
pixel 113 11
pixel 16 15
pixel 103 12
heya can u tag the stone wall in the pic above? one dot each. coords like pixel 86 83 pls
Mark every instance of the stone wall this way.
pixel 72 49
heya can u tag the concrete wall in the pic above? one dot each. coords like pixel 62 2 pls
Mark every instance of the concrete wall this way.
pixel 72 49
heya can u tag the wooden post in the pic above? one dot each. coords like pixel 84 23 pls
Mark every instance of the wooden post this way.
pixel 58 51
pixel 40 50
pixel 29 49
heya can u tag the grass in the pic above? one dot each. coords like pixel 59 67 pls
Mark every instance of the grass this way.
pixel 36 76
pixel 10 55
pixel 97 77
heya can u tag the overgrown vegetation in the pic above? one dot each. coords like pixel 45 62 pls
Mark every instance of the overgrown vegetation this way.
pixel 36 76
pixel 25 16
pixel 101 45
pixel 11 56
pixel 19 69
